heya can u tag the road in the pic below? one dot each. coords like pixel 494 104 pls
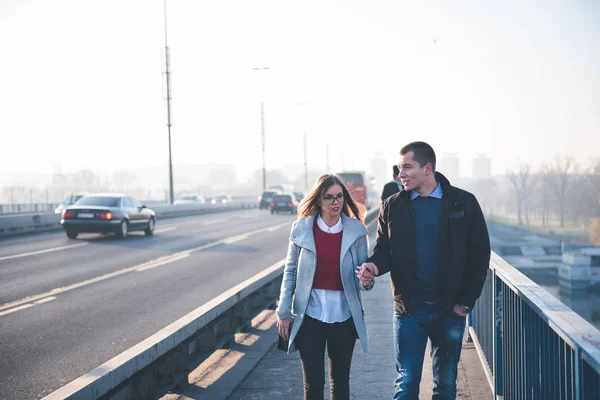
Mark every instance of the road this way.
pixel 67 306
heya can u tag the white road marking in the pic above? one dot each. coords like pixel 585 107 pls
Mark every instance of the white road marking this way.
pixel 214 221
pixel 47 299
pixel 12 310
pixel 234 239
pixel 163 261
pixel 26 302
pixel 165 230
pixel 50 250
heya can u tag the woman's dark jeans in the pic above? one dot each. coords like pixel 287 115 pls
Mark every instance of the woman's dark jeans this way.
pixel 340 338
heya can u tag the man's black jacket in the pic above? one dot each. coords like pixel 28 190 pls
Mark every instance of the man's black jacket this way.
pixel 389 189
pixel 464 246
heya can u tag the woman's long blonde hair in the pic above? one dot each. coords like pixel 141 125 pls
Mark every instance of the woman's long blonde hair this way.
pixel 311 203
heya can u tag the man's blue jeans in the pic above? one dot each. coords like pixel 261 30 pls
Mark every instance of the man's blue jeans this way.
pixel 445 329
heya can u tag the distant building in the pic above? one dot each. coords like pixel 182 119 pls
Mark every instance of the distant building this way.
pixel 380 169
pixel 482 167
pixel 449 165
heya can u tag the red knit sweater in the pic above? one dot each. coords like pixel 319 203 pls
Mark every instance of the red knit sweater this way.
pixel 329 246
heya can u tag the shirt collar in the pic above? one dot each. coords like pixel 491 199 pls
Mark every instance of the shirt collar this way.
pixel 337 228
pixel 437 193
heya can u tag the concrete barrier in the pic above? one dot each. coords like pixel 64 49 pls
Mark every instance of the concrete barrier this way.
pixel 151 368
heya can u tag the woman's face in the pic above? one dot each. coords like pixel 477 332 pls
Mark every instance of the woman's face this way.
pixel 332 201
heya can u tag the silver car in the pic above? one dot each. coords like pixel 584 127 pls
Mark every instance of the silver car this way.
pixel 107 213
pixel 69 201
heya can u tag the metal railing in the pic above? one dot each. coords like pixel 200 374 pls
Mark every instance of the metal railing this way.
pixel 27 208
pixel 40 222
pixel 531 345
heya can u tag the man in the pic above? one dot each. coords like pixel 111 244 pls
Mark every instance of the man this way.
pixel 432 238
pixel 392 187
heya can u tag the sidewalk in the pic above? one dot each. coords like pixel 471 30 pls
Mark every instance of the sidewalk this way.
pixel 279 376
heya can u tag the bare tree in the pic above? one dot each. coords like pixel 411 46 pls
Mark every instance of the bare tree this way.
pixel 520 182
pixel 561 171
pixel 593 182
pixel 546 192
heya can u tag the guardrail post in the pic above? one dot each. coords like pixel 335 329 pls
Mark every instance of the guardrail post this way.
pixel 497 336
pixel 577 381
pixel 206 340
pixel 145 386
pixel 243 314
pixel 173 369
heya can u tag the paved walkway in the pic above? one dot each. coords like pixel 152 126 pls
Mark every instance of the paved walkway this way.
pixel 279 376
pixel 253 368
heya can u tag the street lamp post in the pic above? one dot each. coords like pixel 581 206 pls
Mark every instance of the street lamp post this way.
pixel 305 165
pixel 327 158
pixel 168 98
pixel 305 149
pixel 262 127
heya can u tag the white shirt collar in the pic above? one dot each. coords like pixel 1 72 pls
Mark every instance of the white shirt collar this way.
pixel 337 228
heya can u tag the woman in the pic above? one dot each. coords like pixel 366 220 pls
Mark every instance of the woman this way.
pixel 320 301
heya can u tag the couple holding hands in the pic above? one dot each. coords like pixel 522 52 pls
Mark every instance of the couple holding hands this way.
pixel 432 239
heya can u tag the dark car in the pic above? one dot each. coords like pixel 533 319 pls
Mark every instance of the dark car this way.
pixel 299 196
pixel 284 203
pixel 264 200
pixel 107 213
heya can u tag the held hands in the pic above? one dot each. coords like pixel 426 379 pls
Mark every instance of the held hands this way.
pixel 366 273
pixel 283 325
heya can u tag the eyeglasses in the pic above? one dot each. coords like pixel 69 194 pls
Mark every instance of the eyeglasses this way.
pixel 329 199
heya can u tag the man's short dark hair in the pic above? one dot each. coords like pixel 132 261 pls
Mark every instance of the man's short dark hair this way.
pixel 396 171
pixel 423 153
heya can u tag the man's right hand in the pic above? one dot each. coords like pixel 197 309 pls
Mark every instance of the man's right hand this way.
pixel 283 325
pixel 367 272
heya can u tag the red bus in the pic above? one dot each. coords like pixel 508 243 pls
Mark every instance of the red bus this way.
pixel 356 183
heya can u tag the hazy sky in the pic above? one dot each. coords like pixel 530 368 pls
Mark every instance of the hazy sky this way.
pixel 81 84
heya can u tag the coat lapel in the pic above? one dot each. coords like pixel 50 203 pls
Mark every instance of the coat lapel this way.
pixel 303 234
pixel 353 230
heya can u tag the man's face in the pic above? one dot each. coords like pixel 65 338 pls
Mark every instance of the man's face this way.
pixel 412 175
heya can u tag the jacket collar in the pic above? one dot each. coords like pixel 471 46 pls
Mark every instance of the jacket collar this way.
pixel 302 233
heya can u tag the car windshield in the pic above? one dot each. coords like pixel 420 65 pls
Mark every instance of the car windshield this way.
pixel 268 194
pixel 72 199
pixel 99 201
pixel 285 198
pixel 189 197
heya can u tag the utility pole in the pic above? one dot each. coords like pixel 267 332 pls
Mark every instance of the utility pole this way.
pixel 305 165
pixel 305 146
pixel 168 98
pixel 262 138
pixel 262 127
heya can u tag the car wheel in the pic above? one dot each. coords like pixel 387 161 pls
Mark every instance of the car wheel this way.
pixel 124 229
pixel 72 235
pixel 149 231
